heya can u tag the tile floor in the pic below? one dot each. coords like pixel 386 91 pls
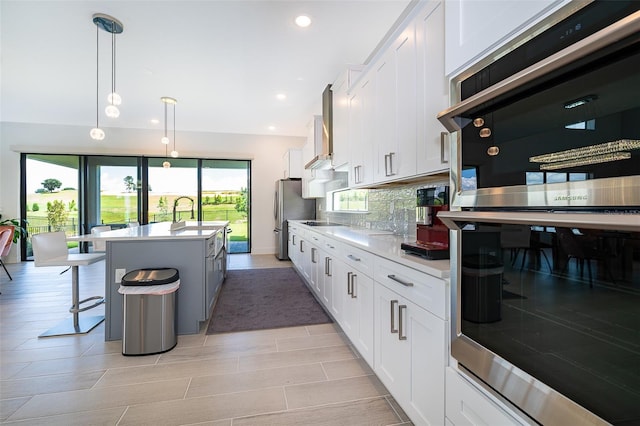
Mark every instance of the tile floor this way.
pixel 291 376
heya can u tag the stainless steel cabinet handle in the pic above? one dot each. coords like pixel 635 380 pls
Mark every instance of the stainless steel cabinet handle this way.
pixel 354 286
pixel 393 316
pixel 401 334
pixel 443 142
pixel 352 257
pixel 388 164
pixel 398 280
pixel 349 283
pixel 301 248
pixel 327 266
pixel 293 239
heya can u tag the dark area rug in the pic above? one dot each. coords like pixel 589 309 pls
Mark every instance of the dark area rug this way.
pixel 257 299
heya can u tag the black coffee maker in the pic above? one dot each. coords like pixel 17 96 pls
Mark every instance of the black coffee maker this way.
pixel 432 236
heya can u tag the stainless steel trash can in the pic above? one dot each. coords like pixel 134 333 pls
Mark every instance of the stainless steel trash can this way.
pixel 149 310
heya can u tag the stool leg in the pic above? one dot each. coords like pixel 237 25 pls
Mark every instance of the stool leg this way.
pixel 75 297
pixel 75 324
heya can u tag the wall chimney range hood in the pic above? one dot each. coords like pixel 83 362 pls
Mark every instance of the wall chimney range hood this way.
pixel 324 145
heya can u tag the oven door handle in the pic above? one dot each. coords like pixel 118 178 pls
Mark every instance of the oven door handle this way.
pixel 611 34
pixel 456 220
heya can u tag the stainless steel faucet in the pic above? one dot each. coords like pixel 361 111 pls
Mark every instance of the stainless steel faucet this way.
pixel 175 205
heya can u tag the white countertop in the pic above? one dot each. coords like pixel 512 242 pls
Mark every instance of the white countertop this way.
pixel 381 243
pixel 161 230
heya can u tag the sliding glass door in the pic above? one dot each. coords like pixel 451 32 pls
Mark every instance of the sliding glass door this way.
pixel 113 191
pixel 173 189
pixel 51 195
pixel 75 193
pixel 225 196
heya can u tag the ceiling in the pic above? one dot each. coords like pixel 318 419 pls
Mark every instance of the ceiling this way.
pixel 224 61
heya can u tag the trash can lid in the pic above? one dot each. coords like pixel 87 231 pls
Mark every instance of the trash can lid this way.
pixel 150 276
pixel 481 261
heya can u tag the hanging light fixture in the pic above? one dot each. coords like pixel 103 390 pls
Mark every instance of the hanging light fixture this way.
pixel 165 139
pixel 113 26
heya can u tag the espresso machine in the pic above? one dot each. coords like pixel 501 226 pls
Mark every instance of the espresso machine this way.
pixel 432 236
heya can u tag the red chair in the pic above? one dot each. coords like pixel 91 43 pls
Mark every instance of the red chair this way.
pixel 6 240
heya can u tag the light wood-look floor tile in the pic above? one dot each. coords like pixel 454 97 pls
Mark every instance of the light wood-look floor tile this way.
pixel 245 378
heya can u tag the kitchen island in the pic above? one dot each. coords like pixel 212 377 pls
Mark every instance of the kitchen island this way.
pixel 196 249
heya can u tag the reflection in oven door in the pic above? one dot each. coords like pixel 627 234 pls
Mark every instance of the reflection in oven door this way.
pixel 558 298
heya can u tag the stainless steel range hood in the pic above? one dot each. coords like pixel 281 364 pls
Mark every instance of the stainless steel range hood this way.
pixel 324 145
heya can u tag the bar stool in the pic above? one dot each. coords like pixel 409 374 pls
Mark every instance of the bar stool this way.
pixel 99 245
pixel 50 249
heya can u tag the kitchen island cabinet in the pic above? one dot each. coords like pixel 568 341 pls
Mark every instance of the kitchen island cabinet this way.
pixel 195 251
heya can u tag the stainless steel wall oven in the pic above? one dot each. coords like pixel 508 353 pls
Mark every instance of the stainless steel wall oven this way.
pixel 545 213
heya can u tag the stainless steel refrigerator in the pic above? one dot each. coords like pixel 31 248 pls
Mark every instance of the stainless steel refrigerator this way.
pixel 288 204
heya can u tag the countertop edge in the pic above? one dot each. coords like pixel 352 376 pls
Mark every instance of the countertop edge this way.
pixel 437 268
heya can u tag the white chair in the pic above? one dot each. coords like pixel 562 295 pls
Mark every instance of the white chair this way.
pixel 50 249
pixel 99 245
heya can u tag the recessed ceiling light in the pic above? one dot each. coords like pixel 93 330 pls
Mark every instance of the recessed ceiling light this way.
pixel 271 127
pixel 303 21
pixel 154 121
pixel 281 96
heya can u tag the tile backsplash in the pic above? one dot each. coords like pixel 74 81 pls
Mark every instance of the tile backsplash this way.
pixel 390 208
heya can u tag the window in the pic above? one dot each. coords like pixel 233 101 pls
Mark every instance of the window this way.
pixel 75 193
pixel 350 200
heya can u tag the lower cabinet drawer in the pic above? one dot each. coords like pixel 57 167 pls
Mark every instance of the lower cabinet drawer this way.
pixel 426 291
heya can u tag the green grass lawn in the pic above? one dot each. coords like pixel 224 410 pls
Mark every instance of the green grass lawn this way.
pixel 122 208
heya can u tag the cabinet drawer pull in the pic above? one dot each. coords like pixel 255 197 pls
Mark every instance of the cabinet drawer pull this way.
pixel 401 335
pixel 293 239
pixel 354 286
pixel 393 316
pixel 388 164
pixel 398 280
pixel 313 255
pixel 443 142
pixel 352 257
pixel 349 290
pixel 301 248
pixel 327 266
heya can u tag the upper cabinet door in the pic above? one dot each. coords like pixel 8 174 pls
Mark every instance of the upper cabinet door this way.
pixel 474 28
pixel 432 150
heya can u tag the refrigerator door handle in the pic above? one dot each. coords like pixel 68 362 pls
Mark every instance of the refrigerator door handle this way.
pixel 275 206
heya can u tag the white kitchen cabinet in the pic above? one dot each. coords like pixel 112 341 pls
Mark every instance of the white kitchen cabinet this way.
pixel 357 307
pixel 292 166
pixel 295 235
pixel 432 149
pixel 316 267
pixel 340 89
pixel 475 28
pixel 361 118
pixel 395 106
pixel 410 342
pixel 467 405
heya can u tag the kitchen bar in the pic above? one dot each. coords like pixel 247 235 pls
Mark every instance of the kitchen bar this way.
pixel 197 250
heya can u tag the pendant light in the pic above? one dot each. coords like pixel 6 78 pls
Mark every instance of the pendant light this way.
pixel 165 139
pixel 111 25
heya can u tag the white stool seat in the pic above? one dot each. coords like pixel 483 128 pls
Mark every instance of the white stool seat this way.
pixel 50 249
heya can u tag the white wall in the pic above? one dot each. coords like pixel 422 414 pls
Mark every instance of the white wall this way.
pixel 265 152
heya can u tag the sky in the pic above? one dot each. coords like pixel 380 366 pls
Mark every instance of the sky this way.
pixel 163 181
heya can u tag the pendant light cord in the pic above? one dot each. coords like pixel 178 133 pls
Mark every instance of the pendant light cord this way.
pixel 113 58
pixel 97 76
